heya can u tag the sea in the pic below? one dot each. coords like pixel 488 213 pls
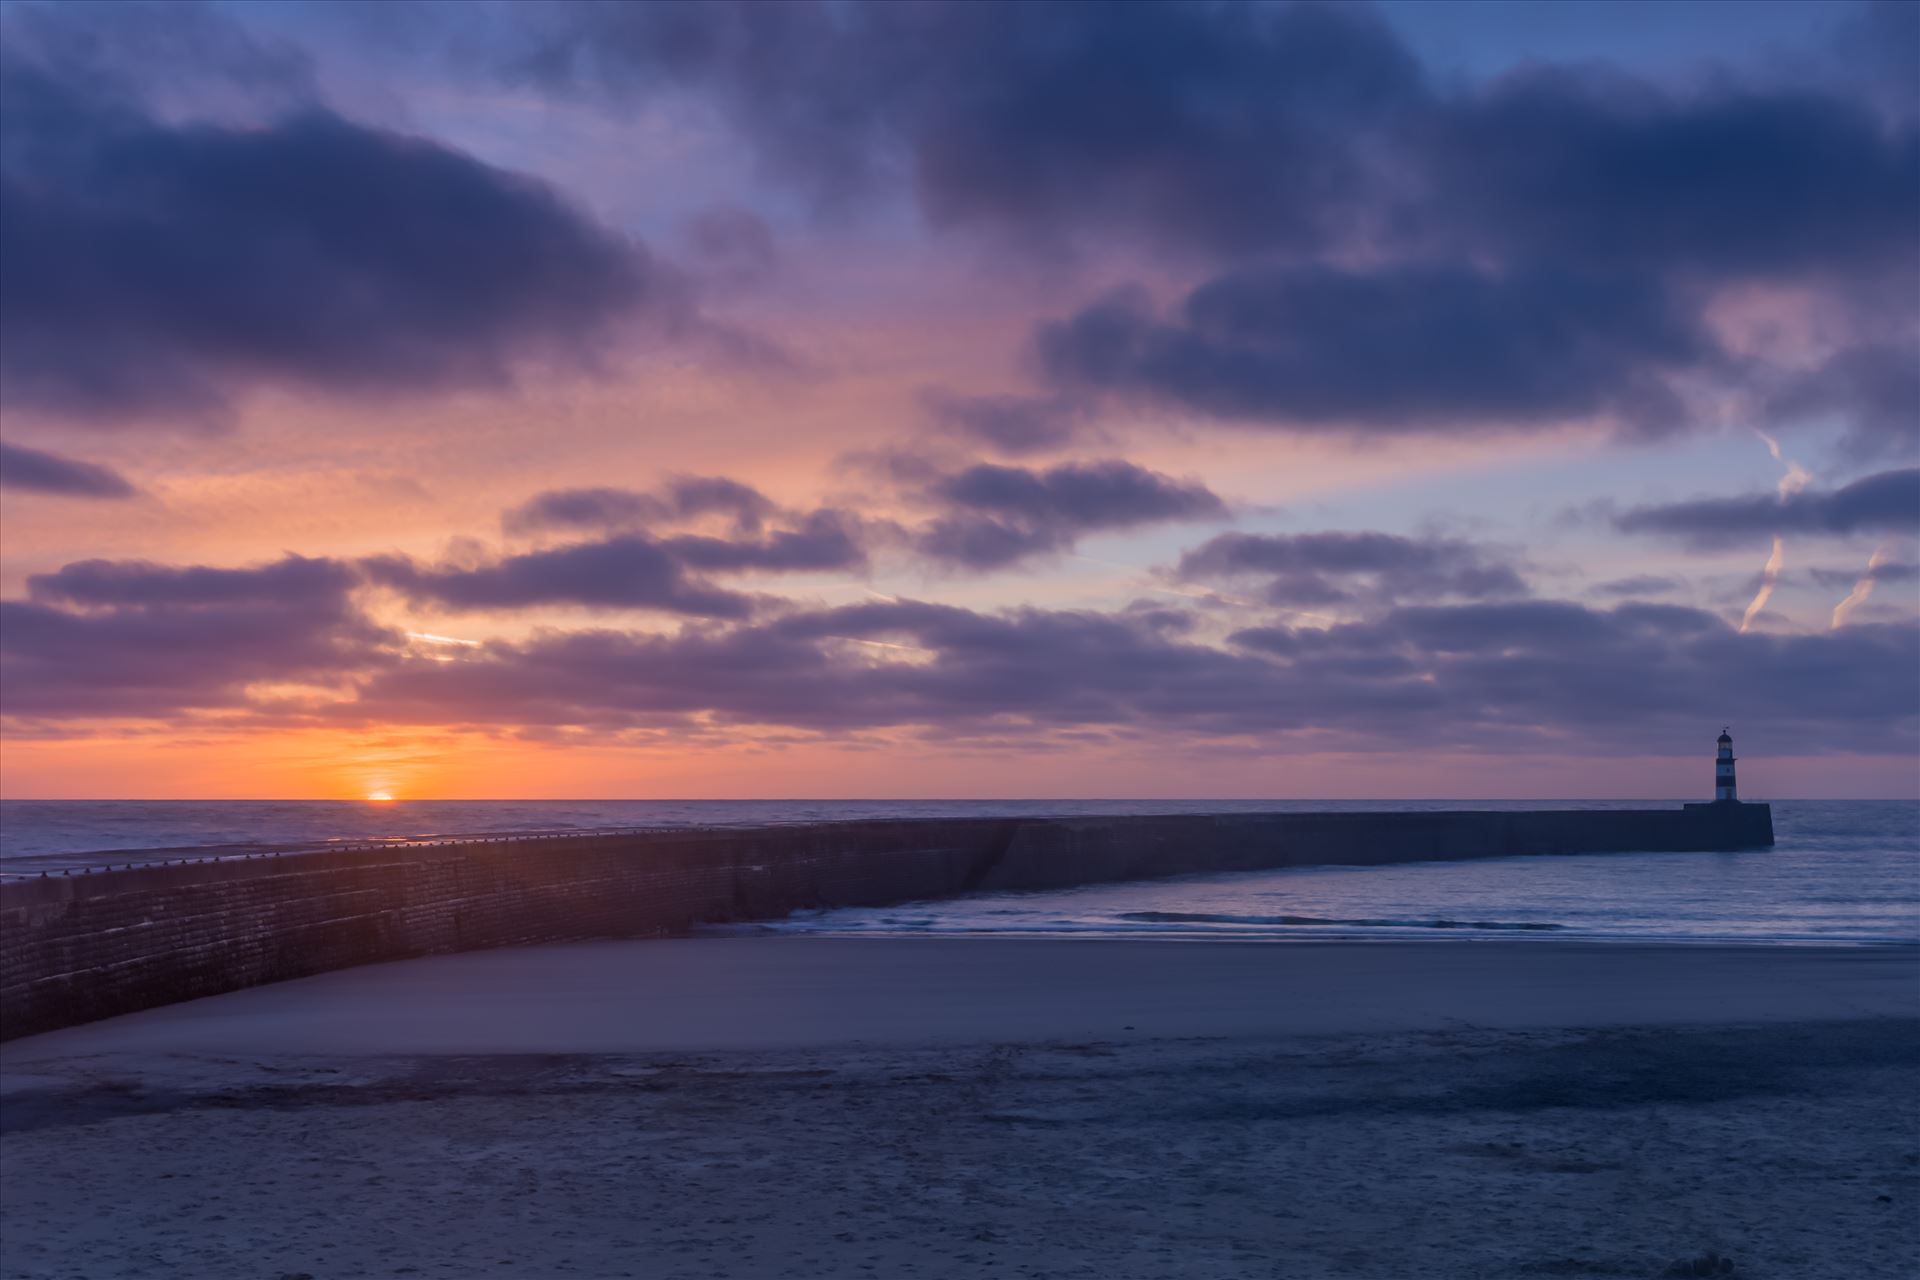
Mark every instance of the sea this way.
pixel 1841 871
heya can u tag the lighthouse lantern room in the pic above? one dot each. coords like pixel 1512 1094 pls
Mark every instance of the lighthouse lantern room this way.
pixel 1723 788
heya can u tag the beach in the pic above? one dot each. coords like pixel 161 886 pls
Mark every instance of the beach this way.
pixel 937 1107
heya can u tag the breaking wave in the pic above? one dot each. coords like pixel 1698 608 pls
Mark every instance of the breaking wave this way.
pixel 1203 917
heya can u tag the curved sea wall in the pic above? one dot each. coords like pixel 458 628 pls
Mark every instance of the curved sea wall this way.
pixel 77 947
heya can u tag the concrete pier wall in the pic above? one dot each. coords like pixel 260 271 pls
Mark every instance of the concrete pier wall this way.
pixel 74 948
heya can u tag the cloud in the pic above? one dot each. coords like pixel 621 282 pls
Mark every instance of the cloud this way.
pixel 1876 43
pixel 1500 677
pixel 1729 182
pixel 1216 124
pixel 1390 350
pixel 131 639
pixel 1874 388
pixel 1325 568
pixel 1888 502
pixel 811 671
pixel 144 584
pixel 634 565
pixel 1540 247
pixel 1879 570
pixel 181 59
pixel 999 515
pixel 1012 424
pixel 681 498
pixel 1091 495
pixel 735 245
pixel 1239 130
pixel 822 540
pixel 653 567
pixel 120 640
pixel 158 269
pixel 32 471
pixel 629 571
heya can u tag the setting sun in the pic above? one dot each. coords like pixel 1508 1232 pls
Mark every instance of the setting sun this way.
pixel 379 797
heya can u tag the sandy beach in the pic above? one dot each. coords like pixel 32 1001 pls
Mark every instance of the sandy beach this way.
pixel 816 1107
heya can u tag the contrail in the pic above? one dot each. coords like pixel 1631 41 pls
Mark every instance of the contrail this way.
pixel 1797 476
pixel 1863 588
pixel 1791 483
pixel 1768 576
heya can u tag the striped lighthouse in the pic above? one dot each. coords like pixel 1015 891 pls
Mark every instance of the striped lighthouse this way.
pixel 1723 788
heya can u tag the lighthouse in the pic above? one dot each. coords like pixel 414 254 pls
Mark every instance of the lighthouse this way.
pixel 1723 789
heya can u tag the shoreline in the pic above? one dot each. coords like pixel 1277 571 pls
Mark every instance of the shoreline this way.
pixel 784 991
pixel 1555 935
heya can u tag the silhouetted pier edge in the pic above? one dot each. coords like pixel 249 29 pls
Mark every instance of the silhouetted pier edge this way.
pixel 77 947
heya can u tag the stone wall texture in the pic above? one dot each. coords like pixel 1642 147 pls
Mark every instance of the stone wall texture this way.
pixel 78 947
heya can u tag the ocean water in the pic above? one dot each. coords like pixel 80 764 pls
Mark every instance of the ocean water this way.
pixel 1840 872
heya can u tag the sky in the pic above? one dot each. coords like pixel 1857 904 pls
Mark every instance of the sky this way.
pixel 959 400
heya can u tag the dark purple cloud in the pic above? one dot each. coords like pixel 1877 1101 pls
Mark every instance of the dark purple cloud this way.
pixel 1011 424
pixel 635 568
pixel 1884 571
pixel 981 543
pixel 124 639
pixel 1876 44
pixel 1874 388
pixel 732 244
pixel 1888 502
pixel 630 567
pixel 144 584
pixel 1546 246
pixel 819 541
pixel 156 269
pixel 1503 677
pixel 1325 568
pixel 630 571
pixel 183 56
pixel 34 471
pixel 1727 183
pixel 129 639
pixel 1391 350
pixel 810 671
pixel 1220 124
pixel 1544 243
pixel 681 498
pixel 999 515
pixel 1111 494
pixel 1235 129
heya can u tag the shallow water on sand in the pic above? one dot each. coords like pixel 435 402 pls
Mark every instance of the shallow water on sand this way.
pixel 1842 871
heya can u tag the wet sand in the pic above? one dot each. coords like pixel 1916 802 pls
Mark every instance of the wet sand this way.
pixel 821 1107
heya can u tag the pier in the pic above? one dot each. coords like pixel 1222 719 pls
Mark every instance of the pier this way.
pixel 76 947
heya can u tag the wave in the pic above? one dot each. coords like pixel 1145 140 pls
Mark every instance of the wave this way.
pixel 1202 917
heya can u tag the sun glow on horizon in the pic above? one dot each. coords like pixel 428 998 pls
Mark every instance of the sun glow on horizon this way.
pixel 379 797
